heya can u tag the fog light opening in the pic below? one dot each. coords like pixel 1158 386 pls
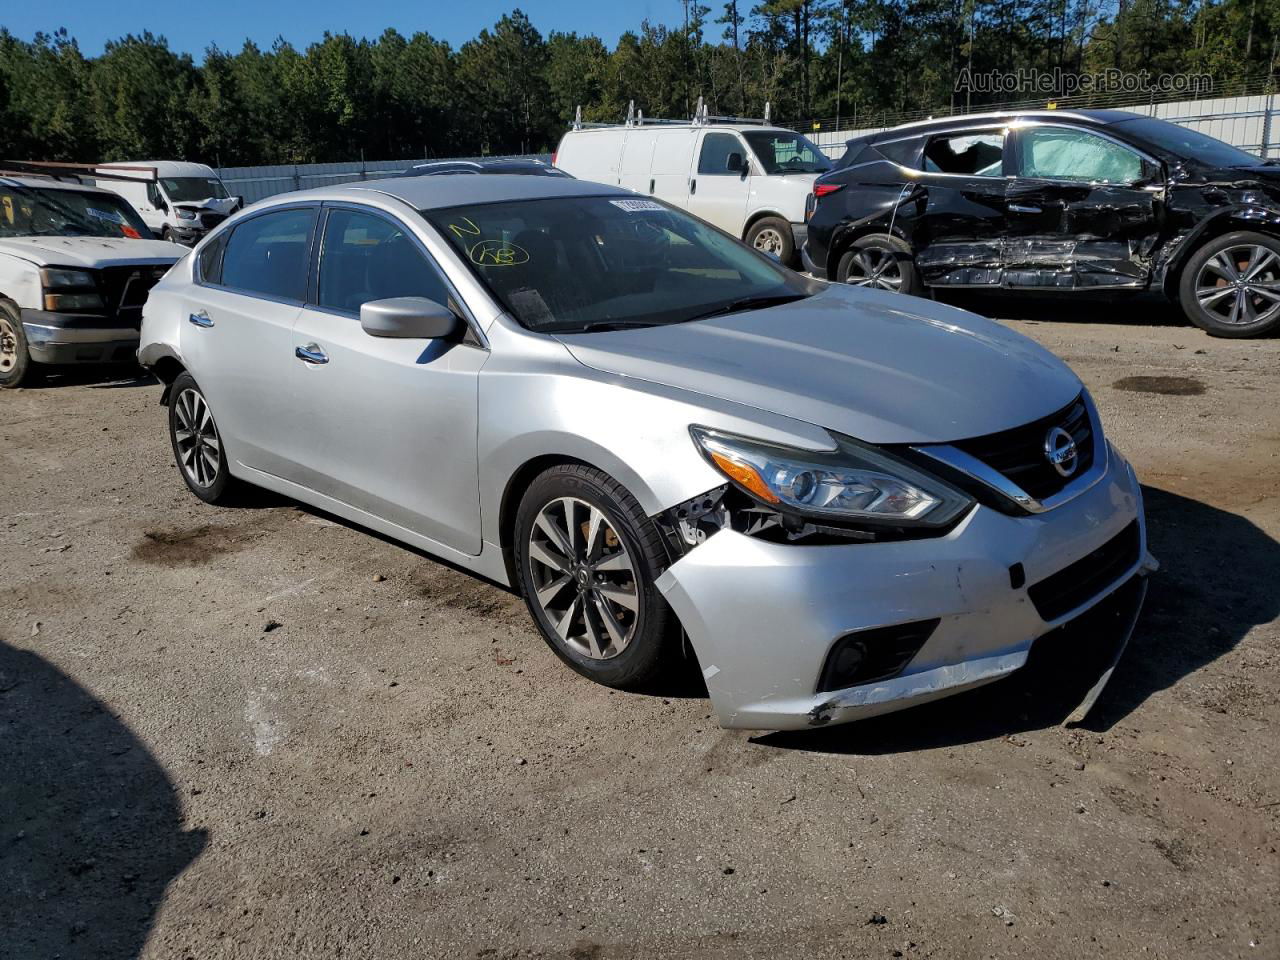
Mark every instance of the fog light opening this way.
pixel 869 656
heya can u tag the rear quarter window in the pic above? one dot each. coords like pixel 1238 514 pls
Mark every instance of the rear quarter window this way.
pixel 905 153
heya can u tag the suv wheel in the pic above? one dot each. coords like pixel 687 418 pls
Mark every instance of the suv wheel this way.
pixel 15 359
pixel 772 235
pixel 197 445
pixel 586 559
pixel 882 263
pixel 1231 286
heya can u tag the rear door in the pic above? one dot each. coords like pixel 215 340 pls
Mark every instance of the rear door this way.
pixel 960 206
pixel 637 161
pixel 673 164
pixel 1083 210
pixel 718 188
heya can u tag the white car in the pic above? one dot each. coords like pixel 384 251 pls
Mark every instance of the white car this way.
pixel 76 263
pixel 177 200
pixel 843 502
pixel 749 179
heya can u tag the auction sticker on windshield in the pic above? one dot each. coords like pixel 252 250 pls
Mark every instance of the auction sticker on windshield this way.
pixel 633 206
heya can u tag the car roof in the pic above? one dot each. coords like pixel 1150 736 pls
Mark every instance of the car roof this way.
pixel 165 168
pixel 429 193
pixel 48 183
pixel 1096 117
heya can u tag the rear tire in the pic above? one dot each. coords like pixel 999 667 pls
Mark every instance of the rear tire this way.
pixel 880 262
pixel 586 561
pixel 772 236
pixel 197 445
pixel 1231 286
pixel 16 365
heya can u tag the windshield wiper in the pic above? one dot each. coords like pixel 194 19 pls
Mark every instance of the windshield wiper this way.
pixel 748 303
pixel 598 325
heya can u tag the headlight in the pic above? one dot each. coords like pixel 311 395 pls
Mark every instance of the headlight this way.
pixel 184 214
pixel 73 302
pixel 56 278
pixel 852 483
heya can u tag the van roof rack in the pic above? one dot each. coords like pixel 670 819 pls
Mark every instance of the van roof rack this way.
pixel 701 118
pixel 76 171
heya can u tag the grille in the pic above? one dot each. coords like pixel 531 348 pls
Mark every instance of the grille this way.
pixel 1080 582
pixel 124 289
pixel 1019 453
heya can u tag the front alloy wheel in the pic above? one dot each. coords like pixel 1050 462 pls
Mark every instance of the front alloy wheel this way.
pixel 1231 286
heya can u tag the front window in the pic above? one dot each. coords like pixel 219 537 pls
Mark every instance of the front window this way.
pixel 366 257
pixel 780 152
pixel 34 211
pixel 1185 142
pixel 1062 153
pixel 572 264
pixel 191 189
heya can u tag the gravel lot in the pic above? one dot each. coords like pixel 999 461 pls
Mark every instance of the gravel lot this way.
pixel 256 732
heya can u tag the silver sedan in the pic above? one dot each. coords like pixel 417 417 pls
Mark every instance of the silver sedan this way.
pixel 848 502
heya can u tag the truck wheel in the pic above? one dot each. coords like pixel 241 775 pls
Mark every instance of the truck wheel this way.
pixel 586 560
pixel 882 263
pixel 772 235
pixel 16 365
pixel 1231 286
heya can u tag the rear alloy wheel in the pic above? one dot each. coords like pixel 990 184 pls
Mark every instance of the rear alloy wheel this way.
pixel 197 445
pixel 1231 286
pixel 880 263
pixel 586 558
pixel 15 360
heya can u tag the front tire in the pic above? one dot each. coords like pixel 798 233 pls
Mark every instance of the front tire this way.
pixel 880 262
pixel 197 444
pixel 16 365
pixel 586 560
pixel 772 235
pixel 1231 286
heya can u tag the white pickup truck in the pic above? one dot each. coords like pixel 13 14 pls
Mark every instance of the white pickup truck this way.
pixel 76 263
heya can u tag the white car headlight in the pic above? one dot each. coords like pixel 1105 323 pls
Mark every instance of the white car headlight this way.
pixel 182 213
pixel 852 483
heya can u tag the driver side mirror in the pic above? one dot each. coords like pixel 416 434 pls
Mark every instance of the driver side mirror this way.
pixel 734 163
pixel 408 318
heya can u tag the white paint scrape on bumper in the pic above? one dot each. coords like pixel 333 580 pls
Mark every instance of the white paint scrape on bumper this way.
pixel 762 616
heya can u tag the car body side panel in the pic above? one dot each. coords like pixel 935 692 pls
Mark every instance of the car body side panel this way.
pixel 20 281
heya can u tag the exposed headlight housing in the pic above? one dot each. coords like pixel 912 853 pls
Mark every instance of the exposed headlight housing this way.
pixel 183 213
pixel 851 484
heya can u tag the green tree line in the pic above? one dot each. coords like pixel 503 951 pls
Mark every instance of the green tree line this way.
pixel 513 90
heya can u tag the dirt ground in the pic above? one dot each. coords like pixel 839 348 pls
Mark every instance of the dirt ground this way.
pixel 256 732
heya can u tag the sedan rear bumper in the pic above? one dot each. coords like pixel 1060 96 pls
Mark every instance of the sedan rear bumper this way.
pixel 763 616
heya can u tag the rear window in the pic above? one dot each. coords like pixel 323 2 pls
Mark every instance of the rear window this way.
pixel 267 255
pixel 972 154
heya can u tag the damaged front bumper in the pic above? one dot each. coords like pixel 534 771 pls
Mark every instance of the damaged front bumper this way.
pixel 763 616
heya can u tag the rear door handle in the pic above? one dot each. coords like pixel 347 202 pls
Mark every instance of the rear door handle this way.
pixel 200 319
pixel 693 186
pixel 311 353
pixel 1024 208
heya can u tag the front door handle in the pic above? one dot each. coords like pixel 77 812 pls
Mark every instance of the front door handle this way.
pixel 311 353
pixel 200 319
pixel 693 186
pixel 1023 208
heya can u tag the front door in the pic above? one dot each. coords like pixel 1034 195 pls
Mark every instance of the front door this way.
pixel 237 333
pixel 1083 211
pixel 390 425
pixel 718 187
pixel 958 207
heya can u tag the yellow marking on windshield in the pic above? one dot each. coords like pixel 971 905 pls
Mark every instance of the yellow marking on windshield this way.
pixel 471 228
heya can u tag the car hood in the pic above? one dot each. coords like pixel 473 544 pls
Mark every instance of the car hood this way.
pixel 91 251
pixel 225 206
pixel 876 366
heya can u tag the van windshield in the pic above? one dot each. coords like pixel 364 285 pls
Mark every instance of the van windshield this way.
pixel 31 211
pixel 573 264
pixel 187 189
pixel 781 152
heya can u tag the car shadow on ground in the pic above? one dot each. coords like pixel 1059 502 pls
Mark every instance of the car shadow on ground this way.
pixel 1139 309
pixel 96 376
pixel 90 824
pixel 1212 588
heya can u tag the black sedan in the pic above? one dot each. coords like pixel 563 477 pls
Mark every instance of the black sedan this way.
pixel 1090 201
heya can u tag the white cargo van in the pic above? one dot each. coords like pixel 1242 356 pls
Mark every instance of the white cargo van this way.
pixel 178 201
pixel 743 176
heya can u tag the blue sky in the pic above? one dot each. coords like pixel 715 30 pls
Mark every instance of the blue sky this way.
pixel 191 27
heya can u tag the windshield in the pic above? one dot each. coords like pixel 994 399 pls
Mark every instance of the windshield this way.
pixel 781 152
pixel 32 211
pixel 1185 142
pixel 187 189
pixel 570 264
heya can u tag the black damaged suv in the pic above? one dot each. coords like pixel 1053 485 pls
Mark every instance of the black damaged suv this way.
pixel 1048 201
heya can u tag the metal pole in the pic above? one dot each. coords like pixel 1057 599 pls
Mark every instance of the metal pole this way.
pixel 1266 123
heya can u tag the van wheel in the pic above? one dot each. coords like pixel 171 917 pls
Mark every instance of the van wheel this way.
pixel 772 235
pixel 166 235
pixel 16 365
pixel 882 263
pixel 1231 286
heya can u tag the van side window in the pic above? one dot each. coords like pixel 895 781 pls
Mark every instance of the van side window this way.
pixel 366 257
pixel 716 157
pixel 153 196
pixel 268 254
pixel 972 154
